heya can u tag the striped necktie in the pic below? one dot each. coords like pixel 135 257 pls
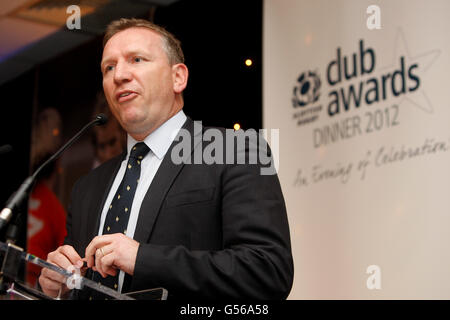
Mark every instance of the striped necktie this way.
pixel 119 210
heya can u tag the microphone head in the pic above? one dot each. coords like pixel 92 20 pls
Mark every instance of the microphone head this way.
pixel 101 119
pixel 5 149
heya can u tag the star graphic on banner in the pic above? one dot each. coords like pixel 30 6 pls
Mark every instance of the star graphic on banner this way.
pixel 424 60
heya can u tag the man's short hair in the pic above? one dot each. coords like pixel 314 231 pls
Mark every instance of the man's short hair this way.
pixel 171 45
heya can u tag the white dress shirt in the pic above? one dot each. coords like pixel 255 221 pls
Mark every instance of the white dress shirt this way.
pixel 159 142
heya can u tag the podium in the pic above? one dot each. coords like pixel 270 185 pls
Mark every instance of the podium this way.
pixel 12 288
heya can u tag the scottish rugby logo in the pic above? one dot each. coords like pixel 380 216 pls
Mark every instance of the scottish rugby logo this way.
pixel 305 95
pixel 306 90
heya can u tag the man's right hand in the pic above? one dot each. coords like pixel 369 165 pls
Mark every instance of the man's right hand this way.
pixel 53 283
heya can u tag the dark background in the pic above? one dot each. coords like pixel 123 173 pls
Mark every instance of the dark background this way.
pixel 217 37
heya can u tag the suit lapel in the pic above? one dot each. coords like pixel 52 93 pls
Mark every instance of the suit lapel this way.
pixel 105 182
pixel 163 180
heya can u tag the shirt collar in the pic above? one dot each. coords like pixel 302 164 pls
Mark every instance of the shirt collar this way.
pixel 160 140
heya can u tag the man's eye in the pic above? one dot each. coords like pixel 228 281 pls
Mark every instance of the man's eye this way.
pixel 108 68
pixel 137 59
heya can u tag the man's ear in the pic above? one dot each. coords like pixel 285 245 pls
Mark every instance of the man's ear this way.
pixel 180 75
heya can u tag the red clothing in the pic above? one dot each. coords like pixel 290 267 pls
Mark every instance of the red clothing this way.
pixel 46 226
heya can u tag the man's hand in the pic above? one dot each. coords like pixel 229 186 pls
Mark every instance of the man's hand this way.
pixel 105 254
pixel 53 283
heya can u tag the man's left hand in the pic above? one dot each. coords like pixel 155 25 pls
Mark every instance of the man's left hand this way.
pixel 107 253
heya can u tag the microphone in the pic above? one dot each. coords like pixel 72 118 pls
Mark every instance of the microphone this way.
pixel 5 149
pixel 22 193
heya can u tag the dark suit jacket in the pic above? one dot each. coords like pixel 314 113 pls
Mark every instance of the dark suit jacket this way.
pixel 205 231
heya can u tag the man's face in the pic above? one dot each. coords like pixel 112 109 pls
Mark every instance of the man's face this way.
pixel 138 81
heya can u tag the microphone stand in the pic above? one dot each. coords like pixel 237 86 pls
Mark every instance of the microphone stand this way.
pixel 17 198
pixel 24 189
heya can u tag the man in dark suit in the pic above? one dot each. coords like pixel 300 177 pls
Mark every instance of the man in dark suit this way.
pixel 154 217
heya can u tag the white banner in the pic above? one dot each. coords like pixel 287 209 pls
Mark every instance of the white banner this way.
pixel 360 91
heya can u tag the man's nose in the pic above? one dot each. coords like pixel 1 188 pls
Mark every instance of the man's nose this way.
pixel 122 73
